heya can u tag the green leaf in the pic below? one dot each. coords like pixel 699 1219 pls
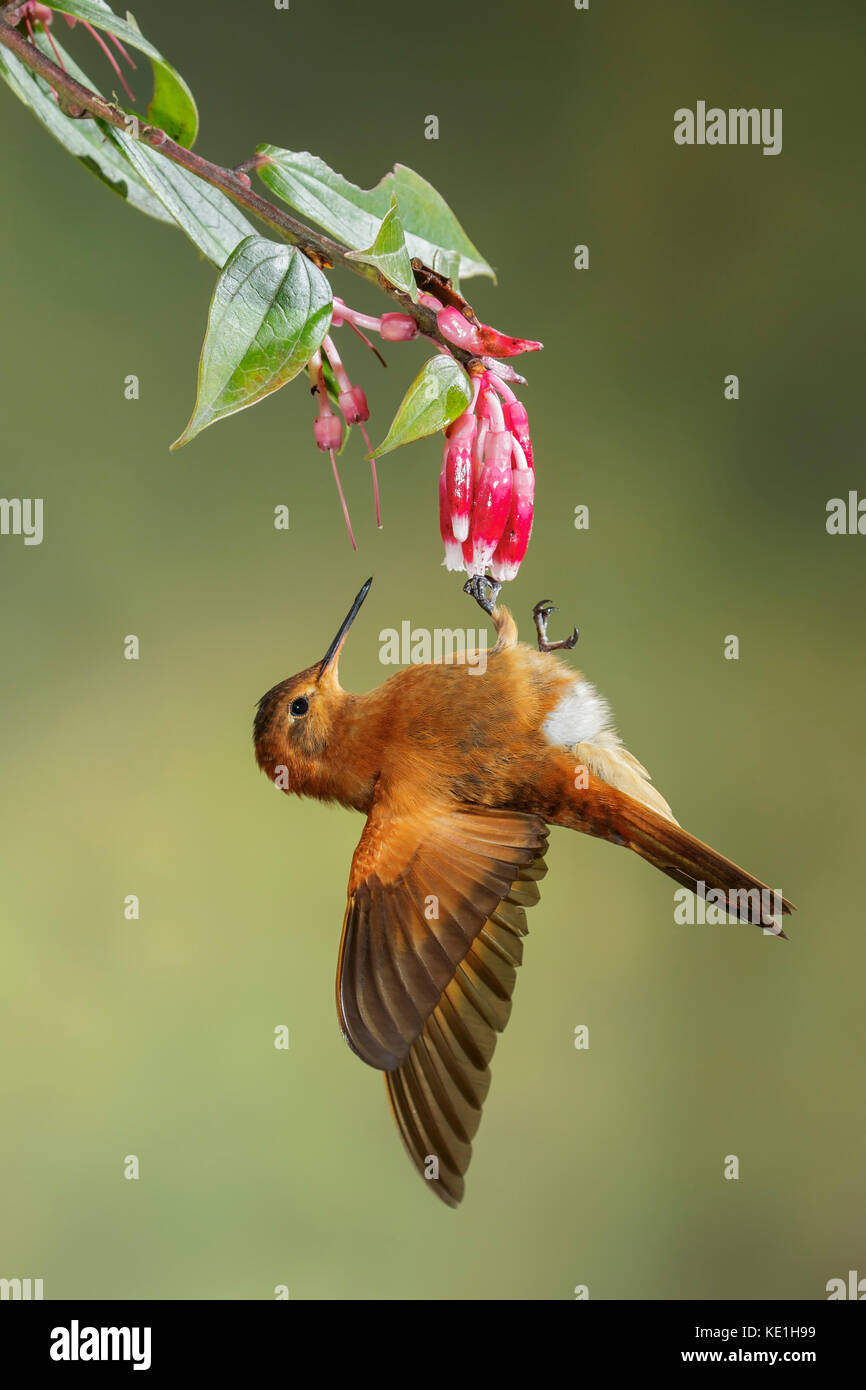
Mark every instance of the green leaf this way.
pixel 172 107
pixel 389 254
pixel 354 214
pixel 131 168
pixel 82 138
pixel 270 311
pixel 208 217
pixel 440 392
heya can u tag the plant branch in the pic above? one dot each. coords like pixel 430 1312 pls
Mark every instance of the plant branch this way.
pixel 78 101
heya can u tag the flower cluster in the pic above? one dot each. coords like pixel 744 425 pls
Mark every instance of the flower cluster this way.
pixel 487 483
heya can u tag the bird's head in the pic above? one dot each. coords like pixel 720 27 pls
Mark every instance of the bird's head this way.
pixel 297 722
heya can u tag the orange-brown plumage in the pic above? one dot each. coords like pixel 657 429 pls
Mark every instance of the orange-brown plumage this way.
pixel 459 774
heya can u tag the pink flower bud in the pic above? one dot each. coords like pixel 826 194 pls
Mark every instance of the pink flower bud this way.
pixel 353 404
pixel 458 330
pixel 328 430
pixel 517 421
pixel 492 504
pixel 430 301
pixel 515 538
pixel 398 328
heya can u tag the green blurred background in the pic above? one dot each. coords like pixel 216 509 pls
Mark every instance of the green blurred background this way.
pixel 707 517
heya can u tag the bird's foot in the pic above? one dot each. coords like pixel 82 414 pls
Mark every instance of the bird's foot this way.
pixel 484 590
pixel 541 612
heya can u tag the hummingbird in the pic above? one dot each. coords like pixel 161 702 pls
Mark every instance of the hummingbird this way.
pixel 459 774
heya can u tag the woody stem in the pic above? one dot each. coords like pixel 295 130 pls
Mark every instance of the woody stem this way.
pixel 323 250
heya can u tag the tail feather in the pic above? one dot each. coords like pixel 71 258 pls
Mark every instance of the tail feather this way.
pixel 688 861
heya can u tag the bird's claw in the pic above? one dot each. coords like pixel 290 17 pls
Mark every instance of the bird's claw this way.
pixel 484 590
pixel 540 613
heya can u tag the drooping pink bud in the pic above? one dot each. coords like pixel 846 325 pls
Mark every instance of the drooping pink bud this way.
pixel 458 330
pixel 453 548
pixel 517 421
pixel 328 430
pixel 459 472
pixel 398 328
pixel 492 503
pixel 353 404
pixel 515 538
pixel 430 301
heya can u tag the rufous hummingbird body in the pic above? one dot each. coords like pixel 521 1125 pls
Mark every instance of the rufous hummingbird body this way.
pixel 459 774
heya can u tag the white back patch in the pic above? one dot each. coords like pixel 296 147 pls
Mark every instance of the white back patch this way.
pixel 579 717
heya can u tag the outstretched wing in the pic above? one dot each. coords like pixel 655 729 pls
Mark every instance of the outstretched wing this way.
pixel 431 941
pixel 436 1095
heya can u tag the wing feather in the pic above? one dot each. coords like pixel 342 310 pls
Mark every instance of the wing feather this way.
pixel 432 940
pixel 422 888
pixel 436 1095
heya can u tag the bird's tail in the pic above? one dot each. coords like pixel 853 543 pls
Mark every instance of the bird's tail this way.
pixel 601 809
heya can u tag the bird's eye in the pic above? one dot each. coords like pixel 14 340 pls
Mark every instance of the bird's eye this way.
pixel 299 706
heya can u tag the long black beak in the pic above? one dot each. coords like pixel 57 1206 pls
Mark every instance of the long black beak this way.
pixel 331 653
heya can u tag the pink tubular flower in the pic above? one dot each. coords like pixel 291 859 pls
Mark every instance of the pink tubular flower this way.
pixel 459 473
pixel 518 528
pixel 487 483
pixel 458 330
pixel 480 338
pixel 517 421
pixel 453 548
pixel 492 504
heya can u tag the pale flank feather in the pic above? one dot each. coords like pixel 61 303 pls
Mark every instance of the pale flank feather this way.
pixel 581 721
pixel 614 764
